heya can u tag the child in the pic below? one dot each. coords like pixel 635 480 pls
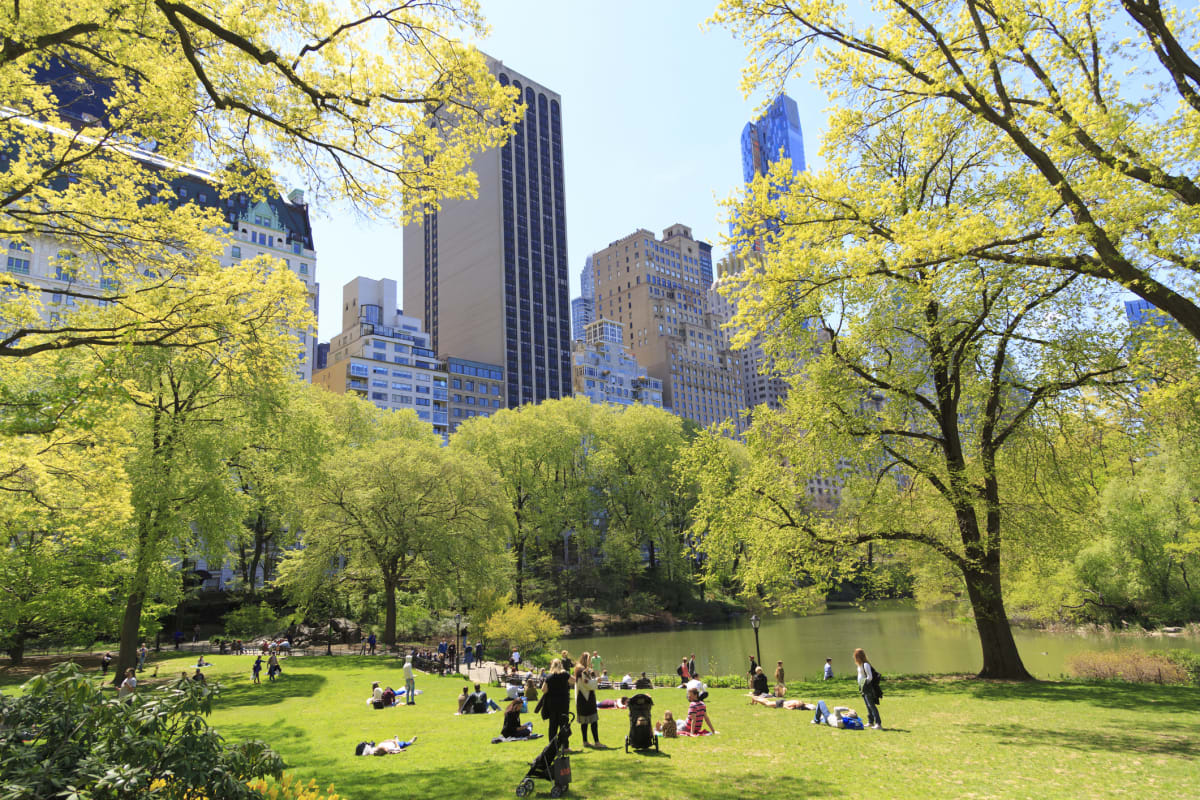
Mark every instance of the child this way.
pixel 829 669
pixel 257 670
pixel 668 727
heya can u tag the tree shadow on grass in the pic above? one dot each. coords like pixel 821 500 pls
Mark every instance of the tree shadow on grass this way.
pixel 1150 742
pixel 649 778
pixel 297 684
pixel 1109 694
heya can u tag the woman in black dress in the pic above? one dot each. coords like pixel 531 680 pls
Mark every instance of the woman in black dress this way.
pixel 555 705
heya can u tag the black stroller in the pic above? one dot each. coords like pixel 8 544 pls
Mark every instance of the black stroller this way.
pixel 641 737
pixel 552 764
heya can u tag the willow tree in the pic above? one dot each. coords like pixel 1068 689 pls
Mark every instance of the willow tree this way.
pixel 542 455
pixel 914 372
pixel 192 410
pixel 395 507
pixel 1094 104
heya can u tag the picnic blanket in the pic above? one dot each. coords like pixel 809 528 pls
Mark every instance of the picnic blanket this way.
pixel 502 739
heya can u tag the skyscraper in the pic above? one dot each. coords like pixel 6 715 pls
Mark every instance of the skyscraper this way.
pixel 656 291
pixel 583 308
pixel 490 274
pixel 772 137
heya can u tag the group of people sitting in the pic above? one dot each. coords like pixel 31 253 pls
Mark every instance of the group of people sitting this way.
pixel 693 725
pixel 476 702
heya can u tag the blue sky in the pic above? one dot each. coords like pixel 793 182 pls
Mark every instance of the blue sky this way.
pixel 652 118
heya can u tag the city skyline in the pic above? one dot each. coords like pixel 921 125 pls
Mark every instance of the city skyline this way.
pixel 621 128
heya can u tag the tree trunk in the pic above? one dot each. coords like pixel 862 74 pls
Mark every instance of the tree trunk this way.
pixel 130 627
pixel 389 619
pixel 653 560
pixel 1000 657
pixel 16 648
pixel 520 576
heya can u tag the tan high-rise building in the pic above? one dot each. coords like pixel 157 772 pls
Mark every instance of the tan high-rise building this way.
pixel 657 291
pixel 762 382
pixel 489 275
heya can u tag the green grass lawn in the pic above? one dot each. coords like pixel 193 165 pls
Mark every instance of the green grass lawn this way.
pixel 952 739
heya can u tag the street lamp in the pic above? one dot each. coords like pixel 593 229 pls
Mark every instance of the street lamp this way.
pixel 457 639
pixel 754 623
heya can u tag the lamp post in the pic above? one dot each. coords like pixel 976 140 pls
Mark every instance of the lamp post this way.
pixel 754 623
pixel 457 639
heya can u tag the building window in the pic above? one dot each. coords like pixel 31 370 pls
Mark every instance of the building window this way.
pixel 236 251
pixel 303 268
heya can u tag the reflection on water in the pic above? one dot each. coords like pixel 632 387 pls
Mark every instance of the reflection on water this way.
pixel 897 637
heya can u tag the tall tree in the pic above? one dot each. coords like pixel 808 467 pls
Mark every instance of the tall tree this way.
pixel 541 455
pixel 414 515
pixel 1094 105
pixel 912 373
pixel 383 107
pixel 192 408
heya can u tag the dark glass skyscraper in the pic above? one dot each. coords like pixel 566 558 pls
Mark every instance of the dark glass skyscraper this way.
pixel 490 274
pixel 772 137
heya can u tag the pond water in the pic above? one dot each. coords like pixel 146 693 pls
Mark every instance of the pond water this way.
pixel 896 636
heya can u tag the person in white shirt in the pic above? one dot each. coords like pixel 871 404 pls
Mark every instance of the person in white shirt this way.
pixel 128 686
pixel 868 688
pixel 376 695
pixel 410 682
pixel 829 669
pixel 627 681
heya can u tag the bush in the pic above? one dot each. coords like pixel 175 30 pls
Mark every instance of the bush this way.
pixel 63 737
pixel 289 788
pixel 1134 666
pixel 1187 661
pixel 249 621
pixel 527 628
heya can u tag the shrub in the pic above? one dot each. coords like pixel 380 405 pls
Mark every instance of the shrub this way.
pixel 1187 661
pixel 250 620
pixel 289 788
pixel 64 737
pixel 1134 666
pixel 527 627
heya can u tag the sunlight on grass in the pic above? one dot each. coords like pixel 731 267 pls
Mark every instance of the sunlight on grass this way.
pixel 946 739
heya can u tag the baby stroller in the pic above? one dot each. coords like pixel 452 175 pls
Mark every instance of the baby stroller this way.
pixel 551 764
pixel 641 737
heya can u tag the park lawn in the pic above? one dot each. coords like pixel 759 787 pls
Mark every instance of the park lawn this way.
pixel 943 739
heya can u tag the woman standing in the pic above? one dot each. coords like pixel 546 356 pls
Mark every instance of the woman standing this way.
pixel 779 681
pixel 869 688
pixel 555 705
pixel 585 702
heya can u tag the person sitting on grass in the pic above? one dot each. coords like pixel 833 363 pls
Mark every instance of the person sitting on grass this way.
pixel 531 691
pixel 376 698
pixel 389 697
pixel 697 716
pixel 643 683
pixel 669 727
pixel 199 677
pixel 462 701
pixel 386 747
pixel 479 703
pixel 759 684
pixel 513 727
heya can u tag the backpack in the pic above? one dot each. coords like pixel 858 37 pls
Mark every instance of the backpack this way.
pixel 876 680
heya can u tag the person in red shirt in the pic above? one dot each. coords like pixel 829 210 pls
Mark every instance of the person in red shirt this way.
pixel 697 716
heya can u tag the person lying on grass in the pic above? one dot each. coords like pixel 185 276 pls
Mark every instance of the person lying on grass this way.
pixel 621 702
pixel 779 702
pixel 388 747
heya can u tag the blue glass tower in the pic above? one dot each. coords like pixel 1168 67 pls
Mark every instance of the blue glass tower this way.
pixel 774 136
